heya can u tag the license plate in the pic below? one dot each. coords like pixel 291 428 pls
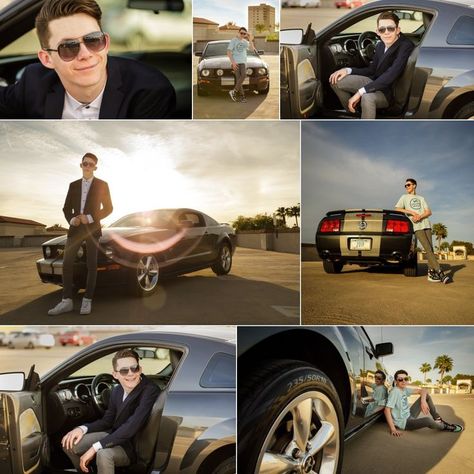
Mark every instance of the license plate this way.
pixel 360 244
pixel 230 81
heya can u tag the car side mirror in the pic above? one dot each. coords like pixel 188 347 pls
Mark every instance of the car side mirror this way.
pixel 383 349
pixel 294 36
pixel 12 381
pixel 198 53
pixel 260 51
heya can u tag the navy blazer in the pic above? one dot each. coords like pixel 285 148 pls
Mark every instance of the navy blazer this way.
pixel 133 91
pixel 387 67
pixel 124 419
pixel 98 204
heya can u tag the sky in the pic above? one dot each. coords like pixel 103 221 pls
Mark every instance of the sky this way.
pixel 230 10
pixel 224 169
pixel 414 345
pixel 349 164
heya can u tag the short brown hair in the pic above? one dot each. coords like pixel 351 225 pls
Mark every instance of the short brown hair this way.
pixel 388 16
pixel 91 156
pixel 243 28
pixel 411 180
pixel 54 9
pixel 122 354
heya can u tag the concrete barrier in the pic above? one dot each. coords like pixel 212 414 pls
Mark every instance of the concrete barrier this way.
pixel 309 253
pixel 38 240
pixel 286 241
pixel 7 241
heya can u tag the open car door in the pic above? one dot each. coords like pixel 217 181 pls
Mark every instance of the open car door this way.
pixel 22 439
pixel 300 87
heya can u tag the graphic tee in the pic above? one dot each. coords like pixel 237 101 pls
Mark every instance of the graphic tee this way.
pixel 416 203
pixel 379 395
pixel 398 402
pixel 239 50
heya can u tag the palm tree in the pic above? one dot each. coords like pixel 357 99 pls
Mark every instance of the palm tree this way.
pixel 281 213
pixel 294 211
pixel 424 369
pixel 444 363
pixel 441 232
pixel 259 27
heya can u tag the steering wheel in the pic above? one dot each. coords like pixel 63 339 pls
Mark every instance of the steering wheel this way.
pixel 101 388
pixel 366 44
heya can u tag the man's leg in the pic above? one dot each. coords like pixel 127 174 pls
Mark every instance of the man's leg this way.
pixel 425 239
pixel 80 448
pixel 108 459
pixel 415 409
pixel 372 101
pixel 348 86
pixel 92 251
pixel 425 422
pixel 240 77
pixel 72 246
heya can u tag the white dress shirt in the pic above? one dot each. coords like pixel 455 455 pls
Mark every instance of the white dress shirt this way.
pixel 85 187
pixel 73 109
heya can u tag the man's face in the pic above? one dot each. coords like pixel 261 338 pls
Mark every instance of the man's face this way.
pixel 378 379
pixel 87 69
pixel 388 31
pixel 88 167
pixel 410 187
pixel 243 34
pixel 125 373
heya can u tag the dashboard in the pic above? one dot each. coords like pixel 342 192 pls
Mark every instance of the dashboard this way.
pixel 345 50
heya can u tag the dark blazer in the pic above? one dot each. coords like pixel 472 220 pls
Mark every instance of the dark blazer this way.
pixel 98 204
pixel 124 419
pixel 387 67
pixel 133 91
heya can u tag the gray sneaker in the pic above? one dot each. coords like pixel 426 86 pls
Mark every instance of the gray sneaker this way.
pixel 232 95
pixel 64 306
pixel 86 306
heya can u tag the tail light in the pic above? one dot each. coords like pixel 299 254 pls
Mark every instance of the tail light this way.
pixel 398 227
pixel 330 225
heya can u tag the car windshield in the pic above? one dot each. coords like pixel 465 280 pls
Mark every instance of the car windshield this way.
pixel 220 49
pixel 161 218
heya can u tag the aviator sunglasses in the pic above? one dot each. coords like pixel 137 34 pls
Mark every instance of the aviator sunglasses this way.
pixel 390 29
pixel 69 49
pixel 124 371
pixel 402 379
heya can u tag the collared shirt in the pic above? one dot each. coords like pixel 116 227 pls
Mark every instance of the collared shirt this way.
pixel 85 187
pixel 73 109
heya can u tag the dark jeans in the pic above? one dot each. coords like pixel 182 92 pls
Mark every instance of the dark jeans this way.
pixel 415 423
pixel 79 235
pixel 240 75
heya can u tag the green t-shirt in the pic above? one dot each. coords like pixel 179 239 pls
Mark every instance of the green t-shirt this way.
pixel 416 203
pixel 398 402
pixel 379 395
pixel 239 50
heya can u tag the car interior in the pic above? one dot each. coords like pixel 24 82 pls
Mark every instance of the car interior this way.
pixel 83 396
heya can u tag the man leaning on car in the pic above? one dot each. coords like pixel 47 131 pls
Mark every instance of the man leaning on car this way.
pixel 77 80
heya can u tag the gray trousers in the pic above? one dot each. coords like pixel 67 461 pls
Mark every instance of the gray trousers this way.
pixel 370 102
pixel 424 236
pixel 72 246
pixel 106 459
pixel 415 423
pixel 240 75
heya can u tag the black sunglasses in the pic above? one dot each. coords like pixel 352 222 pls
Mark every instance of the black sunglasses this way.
pixel 390 29
pixel 378 377
pixel 404 379
pixel 69 49
pixel 408 185
pixel 88 164
pixel 133 368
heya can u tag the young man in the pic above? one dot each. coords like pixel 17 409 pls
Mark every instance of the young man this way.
pixel 87 202
pixel 372 85
pixel 418 210
pixel 379 396
pixel 76 79
pixel 400 416
pixel 109 439
pixel 237 53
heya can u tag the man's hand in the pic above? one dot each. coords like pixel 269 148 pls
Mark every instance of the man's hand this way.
pixel 86 458
pixel 75 221
pixel 72 438
pixel 84 219
pixel 234 66
pixel 424 407
pixel 416 217
pixel 395 432
pixel 353 101
pixel 337 76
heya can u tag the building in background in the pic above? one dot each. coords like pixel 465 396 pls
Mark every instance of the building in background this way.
pixel 261 18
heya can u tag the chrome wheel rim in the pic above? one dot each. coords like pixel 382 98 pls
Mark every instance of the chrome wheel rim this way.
pixel 226 258
pixel 304 439
pixel 147 272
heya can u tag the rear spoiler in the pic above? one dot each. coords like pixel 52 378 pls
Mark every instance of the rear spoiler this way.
pixel 382 211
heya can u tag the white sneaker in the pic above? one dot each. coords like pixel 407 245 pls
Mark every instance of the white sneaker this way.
pixel 86 306
pixel 64 306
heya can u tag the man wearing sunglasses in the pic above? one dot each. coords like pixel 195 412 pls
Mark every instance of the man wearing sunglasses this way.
pixel 378 399
pixel 417 209
pixel 400 416
pixel 372 85
pixel 109 439
pixel 87 202
pixel 77 80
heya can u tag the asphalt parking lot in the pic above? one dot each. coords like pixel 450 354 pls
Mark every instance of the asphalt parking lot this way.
pixel 422 451
pixel 258 106
pixel 385 296
pixel 262 288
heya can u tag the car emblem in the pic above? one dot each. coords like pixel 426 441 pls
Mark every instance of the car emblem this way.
pixel 60 252
pixel 362 225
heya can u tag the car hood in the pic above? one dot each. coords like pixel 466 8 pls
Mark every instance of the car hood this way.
pixel 224 62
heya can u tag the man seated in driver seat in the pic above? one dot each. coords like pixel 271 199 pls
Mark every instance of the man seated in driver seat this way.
pixel 372 85
pixel 109 439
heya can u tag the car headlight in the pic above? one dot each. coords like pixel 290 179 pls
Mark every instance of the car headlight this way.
pixel 80 252
pixel 220 72
pixel 47 252
pixel 262 71
pixel 249 71
pixel 205 72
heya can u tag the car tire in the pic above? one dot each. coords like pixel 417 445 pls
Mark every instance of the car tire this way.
pixel 63 344
pixel 30 345
pixel 269 400
pixel 201 92
pixel 265 91
pixel 144 276
pixel 466 112
pixel 224 260
pixel 226 467
pixel 410 269
pixel 332 267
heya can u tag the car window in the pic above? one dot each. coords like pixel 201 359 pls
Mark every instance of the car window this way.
pixel 410 21
pixel 220 49
pixel 220 372
pixel 462 31
pixel 145 219
pixel 193 217
pixel 129 29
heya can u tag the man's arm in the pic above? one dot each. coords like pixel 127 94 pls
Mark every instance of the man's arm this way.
pixel 107 421
pixel 106 202
pixel 231 56
pixel 156 103
pixel 68 208
pixel 388 416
